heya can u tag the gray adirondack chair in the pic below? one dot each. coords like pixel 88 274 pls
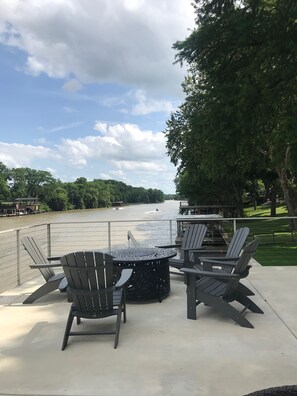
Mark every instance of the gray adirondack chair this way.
pixel 219 289
pixel 95 291
pixel 232 254
pixel 53 281
pixel 192 239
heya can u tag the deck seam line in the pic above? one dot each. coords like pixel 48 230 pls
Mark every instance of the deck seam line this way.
pixel 270 306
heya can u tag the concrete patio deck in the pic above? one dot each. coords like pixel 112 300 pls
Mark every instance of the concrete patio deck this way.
pixel 160 352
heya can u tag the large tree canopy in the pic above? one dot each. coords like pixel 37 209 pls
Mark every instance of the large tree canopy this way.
pixel 239 116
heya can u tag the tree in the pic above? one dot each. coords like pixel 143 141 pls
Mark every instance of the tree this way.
pixel 4 189
pixel 155 195
pixel 238 116
pixel 26 182
pixel 74 196
pixel 104 194
pixel 58 199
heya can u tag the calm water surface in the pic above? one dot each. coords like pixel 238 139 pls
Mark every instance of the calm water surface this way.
pixel 167 210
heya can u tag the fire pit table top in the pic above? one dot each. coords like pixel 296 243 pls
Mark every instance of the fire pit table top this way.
pixel 142 254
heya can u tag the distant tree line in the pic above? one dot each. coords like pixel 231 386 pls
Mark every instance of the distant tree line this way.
pixel 80 194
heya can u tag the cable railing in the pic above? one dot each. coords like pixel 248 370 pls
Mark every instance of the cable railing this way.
pixel 60 238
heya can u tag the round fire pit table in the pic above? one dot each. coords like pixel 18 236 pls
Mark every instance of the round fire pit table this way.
pixel 150 278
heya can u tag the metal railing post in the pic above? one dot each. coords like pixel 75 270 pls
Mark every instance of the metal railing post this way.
pixel 49 242
pixel 109 236
pixel 234 225
pixel 170 230
pixel 18 272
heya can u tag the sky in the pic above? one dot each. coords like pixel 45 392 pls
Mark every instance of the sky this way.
pixel 88 85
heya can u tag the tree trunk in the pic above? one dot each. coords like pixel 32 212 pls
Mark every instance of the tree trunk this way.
pixel 290 194
pixel 273 202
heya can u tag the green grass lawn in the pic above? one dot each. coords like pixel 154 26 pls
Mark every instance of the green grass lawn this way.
pixel 277 254
pixel 264 211
pixel 278 245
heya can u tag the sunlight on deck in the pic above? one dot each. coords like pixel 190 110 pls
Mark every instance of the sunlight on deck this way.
pixel 160 352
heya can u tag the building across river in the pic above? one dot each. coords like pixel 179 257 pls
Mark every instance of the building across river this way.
pixel 20 206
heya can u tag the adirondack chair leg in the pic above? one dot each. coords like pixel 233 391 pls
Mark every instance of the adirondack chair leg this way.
pixel 42 291
pixel 191 296
pixel 247 302
pixel 234 314
pixel 225 308
pixel 124 306
pixel 245 290
pixel 118 325
pixel 68 328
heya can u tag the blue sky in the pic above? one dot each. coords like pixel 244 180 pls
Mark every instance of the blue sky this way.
pixel 87 87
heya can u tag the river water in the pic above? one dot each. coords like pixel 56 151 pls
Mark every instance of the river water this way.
pixel 167 210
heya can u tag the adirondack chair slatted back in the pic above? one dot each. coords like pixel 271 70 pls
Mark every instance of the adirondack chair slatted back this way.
pixel 241 265
pixel 90 278
pixel 193 238
pixel 237 242
pixel 236 245
pixel 38 256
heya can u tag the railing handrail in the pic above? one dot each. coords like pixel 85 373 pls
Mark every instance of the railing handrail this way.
pixel 150 220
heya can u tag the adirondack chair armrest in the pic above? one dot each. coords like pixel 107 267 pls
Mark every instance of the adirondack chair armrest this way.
pixel 48 265
pixel 194 250
pixel 125 277
pixel 201 274
pixel 225 259
pixel 54 258
pixel 211 251
pixel 215 262
pixel 176 245
pixel 209 263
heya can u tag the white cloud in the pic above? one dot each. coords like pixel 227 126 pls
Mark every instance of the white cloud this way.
pixel 41 140
pixel 101 127
pixel 138 102
pixel 69 109
pixel 72 85
pixel 67 126
pixel 122 152
pixel 130 154
pixel 16 155
pixel 120 142
pixel 124 47
pixel 140 166
pixel 122 41
pixel 146 105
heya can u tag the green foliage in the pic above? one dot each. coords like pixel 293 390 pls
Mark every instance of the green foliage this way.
pixel 26 182
pixel 57 200
pixel 4 189
pixel 238 121
pixel 81 194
